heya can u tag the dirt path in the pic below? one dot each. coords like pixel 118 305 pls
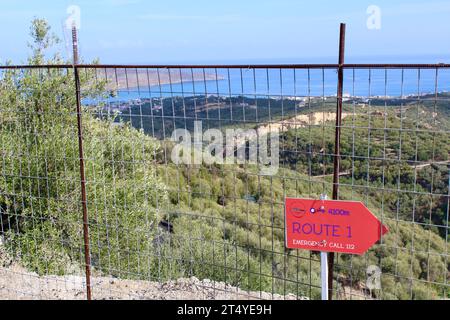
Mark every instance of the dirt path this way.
pixel 300 121
pixel 421 166
pixel 17 283
pixel 345 173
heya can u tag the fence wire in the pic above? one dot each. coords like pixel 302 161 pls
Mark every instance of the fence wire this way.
pixel 162 229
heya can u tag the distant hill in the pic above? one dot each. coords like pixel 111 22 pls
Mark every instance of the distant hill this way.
pixel 133 79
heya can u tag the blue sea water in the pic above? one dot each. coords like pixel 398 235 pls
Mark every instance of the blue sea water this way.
pixel 278 83
pixel 273 83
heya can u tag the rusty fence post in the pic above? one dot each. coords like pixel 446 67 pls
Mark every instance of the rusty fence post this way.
pixel 87 256
pixel 337 141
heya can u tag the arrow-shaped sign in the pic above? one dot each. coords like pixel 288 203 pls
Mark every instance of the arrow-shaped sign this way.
pixel 331 225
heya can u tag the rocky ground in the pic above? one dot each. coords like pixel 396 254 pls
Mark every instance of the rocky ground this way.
pixel 17 283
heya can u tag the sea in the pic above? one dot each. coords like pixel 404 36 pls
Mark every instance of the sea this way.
pixel 288 83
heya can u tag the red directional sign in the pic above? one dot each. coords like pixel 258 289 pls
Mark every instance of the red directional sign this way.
pixel 331 225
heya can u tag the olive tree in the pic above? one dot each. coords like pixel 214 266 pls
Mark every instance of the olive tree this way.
pixel 40 192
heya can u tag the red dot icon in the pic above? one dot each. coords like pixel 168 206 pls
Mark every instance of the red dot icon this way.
pixel 298 210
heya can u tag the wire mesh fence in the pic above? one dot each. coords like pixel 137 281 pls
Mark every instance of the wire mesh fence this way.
pixel 180 205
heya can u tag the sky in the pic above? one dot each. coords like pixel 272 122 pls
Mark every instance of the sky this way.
pixel 232 31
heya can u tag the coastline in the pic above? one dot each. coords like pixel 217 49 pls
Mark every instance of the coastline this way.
pixel 123 79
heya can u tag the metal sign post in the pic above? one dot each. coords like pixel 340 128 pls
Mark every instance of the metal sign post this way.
pixel 324 274
pixel 324 262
